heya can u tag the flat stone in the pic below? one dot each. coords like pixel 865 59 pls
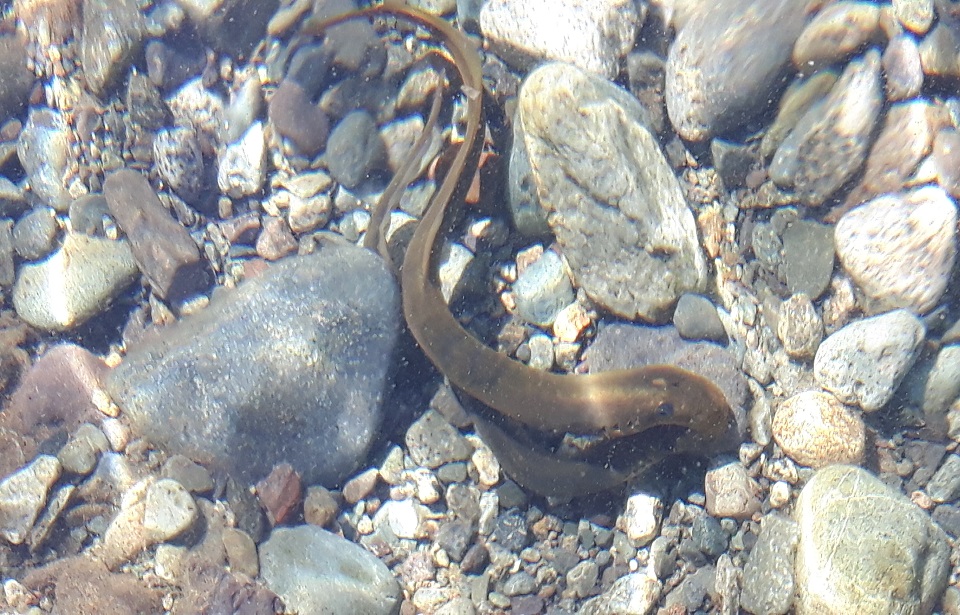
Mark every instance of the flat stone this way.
pixel 77 282
pixel 242 168
pixel 864 362
pixel 169 510
pixel 902 68
pixel 163 249
pixel 306 346
pixel 44 151
pixel 865 548
pixel 432 441
pixel 944 486
pixel 617 211
pixel 112 34
pixel 296 118
pixel 23 495
pixel 708 92
pixel 768 576
pixel 355 149
pixel 814 429
pixel 592 35
pixel 830 142
pixel 838 31
pixel 79 455
pixel 641 517
pixel 315 571
pixel 900 249
pixel 808 257
pixel 696 319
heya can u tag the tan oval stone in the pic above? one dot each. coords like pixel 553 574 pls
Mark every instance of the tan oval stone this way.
pixel 816 430
pixel 835 33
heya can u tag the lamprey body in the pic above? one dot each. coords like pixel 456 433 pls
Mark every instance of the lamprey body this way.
pixel 615 404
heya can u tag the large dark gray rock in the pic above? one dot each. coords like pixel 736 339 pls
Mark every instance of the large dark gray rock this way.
pixel 291 366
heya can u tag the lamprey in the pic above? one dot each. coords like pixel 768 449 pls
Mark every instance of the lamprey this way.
pixel 614 404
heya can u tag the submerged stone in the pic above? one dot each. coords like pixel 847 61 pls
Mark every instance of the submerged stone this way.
pixel 291 366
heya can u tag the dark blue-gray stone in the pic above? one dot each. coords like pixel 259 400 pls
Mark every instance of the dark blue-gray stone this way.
pixel 291 366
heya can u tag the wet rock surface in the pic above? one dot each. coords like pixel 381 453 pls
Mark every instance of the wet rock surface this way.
pixel 799 159
pixel 283 411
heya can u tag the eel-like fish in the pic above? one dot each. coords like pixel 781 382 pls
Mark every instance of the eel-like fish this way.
pixel 614 404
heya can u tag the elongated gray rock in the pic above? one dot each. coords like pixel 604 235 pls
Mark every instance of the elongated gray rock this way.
pixel 610 197
pixel 291 366
pixel 865 548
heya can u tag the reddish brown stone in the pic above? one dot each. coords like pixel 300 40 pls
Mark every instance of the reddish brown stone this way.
pixel 166 254
pixel 296 118
pixel 276 240
pixel 280 493
pixel 54 397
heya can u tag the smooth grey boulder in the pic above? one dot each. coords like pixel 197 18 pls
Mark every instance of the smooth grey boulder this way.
pixel 291 366
pixel 315 571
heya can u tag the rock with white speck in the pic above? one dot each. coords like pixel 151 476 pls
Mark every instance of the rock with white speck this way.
pixel 75 283
pixel 863 363
pixel 641 518
pixel 432 441
pixel 23 495
pixel 799 327
pixel 633 594
pixel 169 510
pixel 814 429
pixel 242 168
pixel 315 571
pixel 731 492
pixel 900 248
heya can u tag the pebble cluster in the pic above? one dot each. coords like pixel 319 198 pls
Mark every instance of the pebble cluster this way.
pixel 208 402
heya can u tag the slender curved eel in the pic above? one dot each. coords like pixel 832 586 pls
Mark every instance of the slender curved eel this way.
pixel 616 404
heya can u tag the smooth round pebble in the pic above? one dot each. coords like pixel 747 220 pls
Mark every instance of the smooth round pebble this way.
pixel 816 430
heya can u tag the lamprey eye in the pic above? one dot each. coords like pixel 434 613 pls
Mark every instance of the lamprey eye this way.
pixel 665 410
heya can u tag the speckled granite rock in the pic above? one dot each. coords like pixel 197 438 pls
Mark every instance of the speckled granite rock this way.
pixel 612 200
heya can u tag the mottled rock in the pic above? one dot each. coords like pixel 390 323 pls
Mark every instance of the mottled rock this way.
pixel 201 108
pixel 432 441
pixel 23 495
pixel 315 571
pixel 179 161
pixel 799 327
pixel 731 492
pixel 85 585
pixel 915 15
pixel 709 92
pixel 77 282
pixel 617 210
pixel 944 485
pixel 166 254
pixel 864 362
pixel 794 104
pixel 768 576
pixel 830 142
pixel 332 313
pixel 838 31
pixel 816 430
pixel 864 547
pixel 938 51
pixel 593 36
pixel 900 249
